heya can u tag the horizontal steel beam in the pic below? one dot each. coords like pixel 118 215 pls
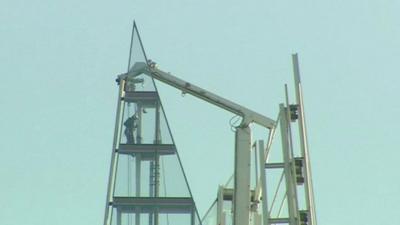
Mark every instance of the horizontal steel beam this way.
pixel 143 97
pixel 228 194
pixel 152 149
pixel 150 204
pixel 274 165
pixel 278 220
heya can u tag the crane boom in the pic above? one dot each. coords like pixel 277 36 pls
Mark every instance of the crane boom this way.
pixel 248 115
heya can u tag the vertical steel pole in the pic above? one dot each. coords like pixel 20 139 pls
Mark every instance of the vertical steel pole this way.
pixel 290 141
pixel 157 159
pixel 263 180
pixel 241 199
pixel 220 205
pixel 138 156
pixel 290 185
pixel 192 217
pixel 119 218
pixel 138 183
pixel 151 189
pixel 308 186
pixel 114 154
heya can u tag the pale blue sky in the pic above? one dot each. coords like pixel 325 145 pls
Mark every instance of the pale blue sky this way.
pixel 59 60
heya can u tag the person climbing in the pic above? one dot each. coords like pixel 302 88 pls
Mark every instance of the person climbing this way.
pixel 130 126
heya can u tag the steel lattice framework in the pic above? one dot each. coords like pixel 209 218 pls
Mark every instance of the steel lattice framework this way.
pixel 147 184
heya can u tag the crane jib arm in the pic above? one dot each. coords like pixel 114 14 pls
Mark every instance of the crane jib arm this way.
pixel 248 115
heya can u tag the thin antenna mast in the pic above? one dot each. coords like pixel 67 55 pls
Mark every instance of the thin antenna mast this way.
pixel 304 142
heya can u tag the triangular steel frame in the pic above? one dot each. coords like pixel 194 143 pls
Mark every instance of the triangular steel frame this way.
pixel 142 137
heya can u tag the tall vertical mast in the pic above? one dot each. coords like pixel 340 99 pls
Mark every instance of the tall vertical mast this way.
pixel 304 142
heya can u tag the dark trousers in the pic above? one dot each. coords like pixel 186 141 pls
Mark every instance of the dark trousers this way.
pixel 130 139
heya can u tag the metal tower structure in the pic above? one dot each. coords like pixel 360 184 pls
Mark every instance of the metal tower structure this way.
pixel 282 192
pixel 147 184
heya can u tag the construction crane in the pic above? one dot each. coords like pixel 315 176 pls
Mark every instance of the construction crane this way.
pixel 242 133
pixel 245 200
